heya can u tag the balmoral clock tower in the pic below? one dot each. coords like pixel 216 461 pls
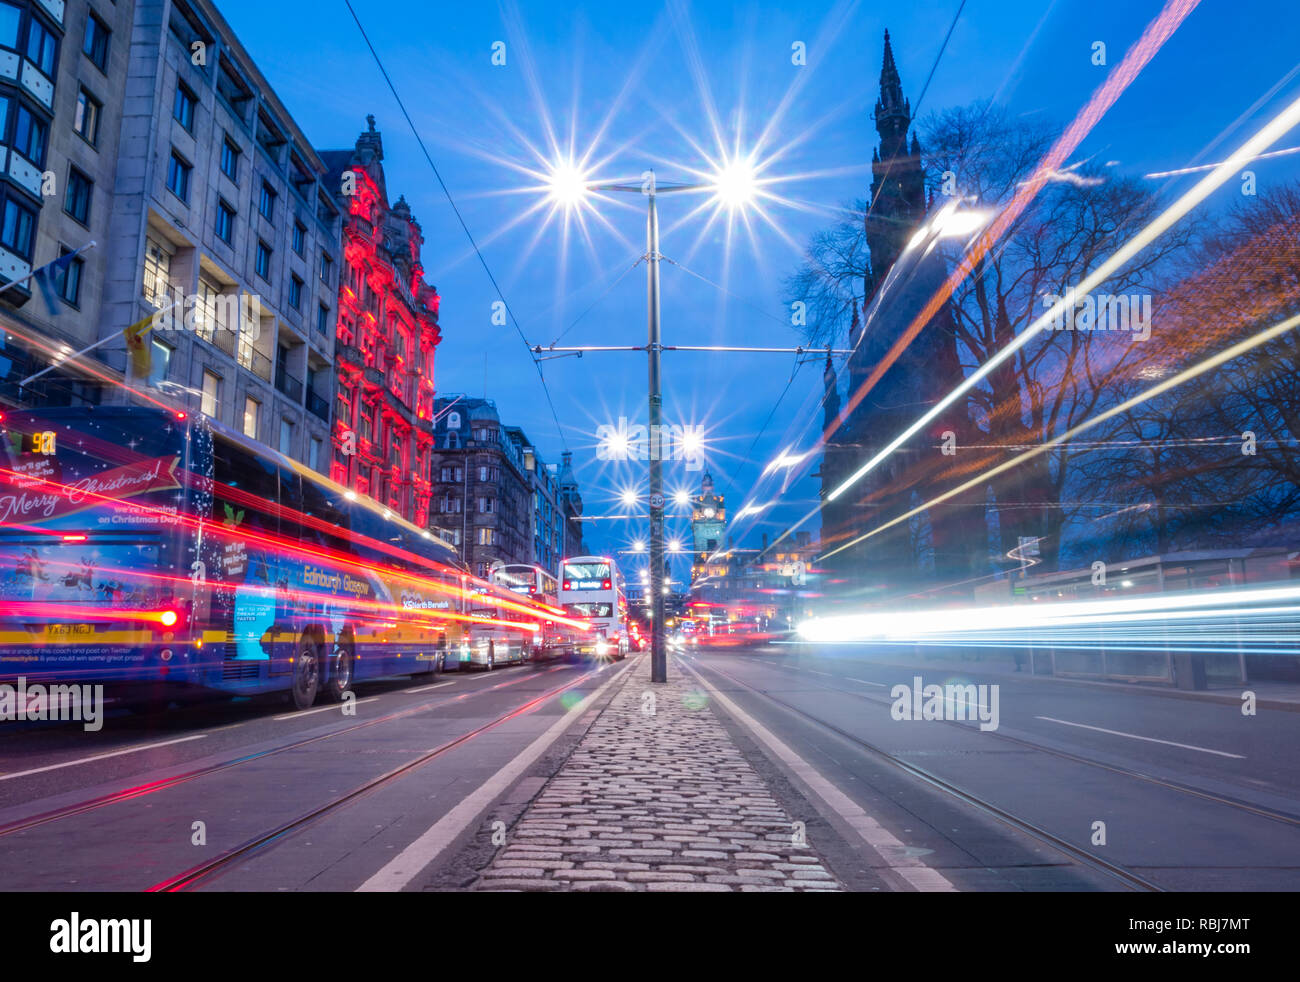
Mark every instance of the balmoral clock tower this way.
pixel 708 522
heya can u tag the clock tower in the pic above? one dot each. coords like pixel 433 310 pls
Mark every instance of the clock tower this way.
pixel 708 523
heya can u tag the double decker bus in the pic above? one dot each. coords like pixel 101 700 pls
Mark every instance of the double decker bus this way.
pixel 556 639
pixel 166 556
pixel 592 590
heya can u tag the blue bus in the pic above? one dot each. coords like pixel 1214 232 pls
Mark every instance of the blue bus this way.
pixel 165 555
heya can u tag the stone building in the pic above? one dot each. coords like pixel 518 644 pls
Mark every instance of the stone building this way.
pixel 939 544
pixel 63 68
pixel 482 495
pixel 206 201
pixel 386 336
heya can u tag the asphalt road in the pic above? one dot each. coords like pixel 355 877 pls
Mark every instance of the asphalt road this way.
pixel 1193 794
pixel 116 810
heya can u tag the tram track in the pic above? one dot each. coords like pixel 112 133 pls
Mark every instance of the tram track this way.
pixel 152 787
pixel 1077 854
pixel 1287 818
pixel 190 877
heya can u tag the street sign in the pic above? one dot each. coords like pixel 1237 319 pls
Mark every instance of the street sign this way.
pixel 656 501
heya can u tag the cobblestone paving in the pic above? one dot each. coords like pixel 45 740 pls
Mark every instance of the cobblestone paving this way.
pixel 659 802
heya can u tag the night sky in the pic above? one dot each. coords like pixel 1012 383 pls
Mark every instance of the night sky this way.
pixel 673 87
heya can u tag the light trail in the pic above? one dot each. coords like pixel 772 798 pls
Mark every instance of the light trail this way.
pixel 1269 134
pixel 1135 60
pixel 998 622
pixel 1186 375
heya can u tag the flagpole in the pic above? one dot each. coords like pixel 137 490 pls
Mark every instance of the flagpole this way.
pixel 60 362
pixel 24 279
pixel 63 361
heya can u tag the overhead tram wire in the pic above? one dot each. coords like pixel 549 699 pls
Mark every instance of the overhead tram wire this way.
pixel 596 302
pixel 459 218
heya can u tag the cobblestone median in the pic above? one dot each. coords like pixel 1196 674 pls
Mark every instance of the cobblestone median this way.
pixel 656 797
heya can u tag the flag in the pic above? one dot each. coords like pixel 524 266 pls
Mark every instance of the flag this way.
pixel 139 346
pixel 45 279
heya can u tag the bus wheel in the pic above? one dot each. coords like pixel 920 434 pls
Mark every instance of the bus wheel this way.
pixel 306 675
pixel 340 681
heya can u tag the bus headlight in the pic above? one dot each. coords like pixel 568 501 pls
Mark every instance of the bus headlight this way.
pixel 602 648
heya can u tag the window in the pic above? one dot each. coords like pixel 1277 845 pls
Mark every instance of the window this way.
pixel 178 177
pixel 486 474
pixel 252 416
pixel 486 536
pixel 157 273
pixel 95 44
pixel 323 319
pixel 162 361
pixel 225 221
pixel 230 160
pixel 326 268
pixel 286 437
pixel 43 46
pixel 76 202
pixel 211 404
pixel 313 453
pixel 295 293
pixel 263 264
pixel 86 120
pixel 183 106
pixel 299 237
pixel 450 506
pixel 67 280
pixel 266 203
pixel 29 136
pixel 10 20
pixel 17 227
pixel 486 506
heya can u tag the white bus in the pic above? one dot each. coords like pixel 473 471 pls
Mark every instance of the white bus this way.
pixel 592 590
pixel 556 639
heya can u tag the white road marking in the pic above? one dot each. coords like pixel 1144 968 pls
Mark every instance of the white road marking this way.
pixel 115 753
pixel 337 707
pixel 890 849
pixel 411 861
pixel 1134 736
pixel 865 682
pixel 426 688
pixel 813 671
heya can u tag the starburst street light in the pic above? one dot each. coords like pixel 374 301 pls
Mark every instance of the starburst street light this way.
pixel 682 497
pixel 628 498
pixel 567 184
pixel 734 183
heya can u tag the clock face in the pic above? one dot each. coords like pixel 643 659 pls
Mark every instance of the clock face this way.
pixel 709 512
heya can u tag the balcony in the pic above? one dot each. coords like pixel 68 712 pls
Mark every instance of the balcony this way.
pixel 287 384
pixel 256 362
pixel 318 406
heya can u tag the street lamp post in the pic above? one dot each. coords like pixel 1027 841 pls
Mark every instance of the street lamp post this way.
pixel 733 184
pixel 658 653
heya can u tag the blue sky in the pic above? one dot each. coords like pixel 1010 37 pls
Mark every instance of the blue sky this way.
pixel 635 82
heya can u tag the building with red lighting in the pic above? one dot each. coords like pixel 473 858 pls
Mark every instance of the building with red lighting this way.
pixel 386 334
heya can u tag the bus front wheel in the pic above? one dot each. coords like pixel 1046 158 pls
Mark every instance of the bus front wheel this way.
pixel 341 673
pixel 306 675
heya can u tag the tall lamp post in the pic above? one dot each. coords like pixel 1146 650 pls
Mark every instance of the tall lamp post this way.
pixel 734 185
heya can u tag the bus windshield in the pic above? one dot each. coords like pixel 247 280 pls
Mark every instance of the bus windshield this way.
pixel 590 610
pixel 586 576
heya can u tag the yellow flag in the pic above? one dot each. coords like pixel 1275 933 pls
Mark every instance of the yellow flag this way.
pixel 139 346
